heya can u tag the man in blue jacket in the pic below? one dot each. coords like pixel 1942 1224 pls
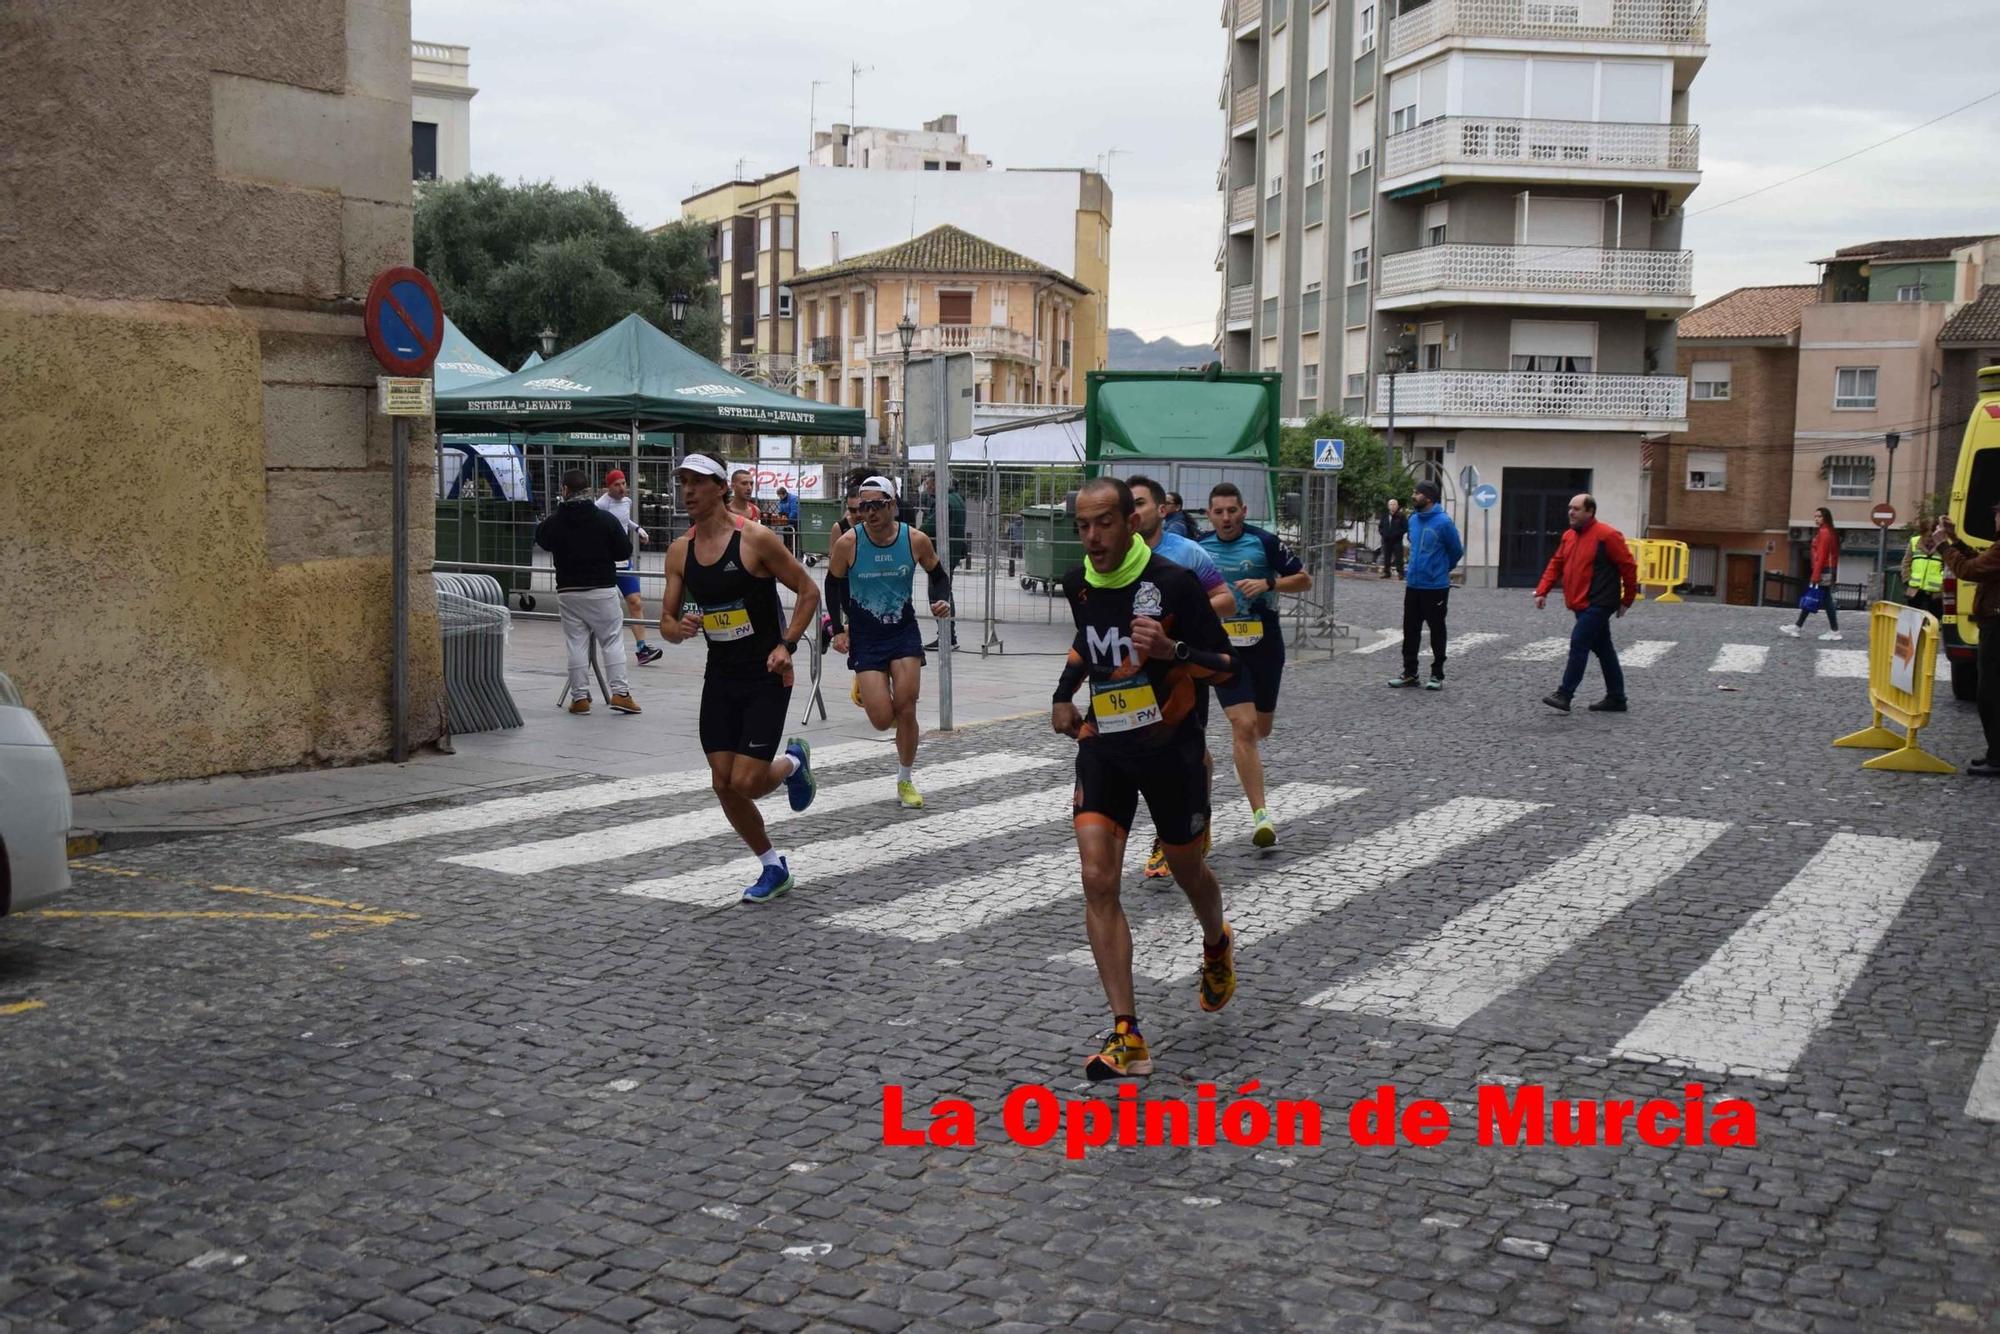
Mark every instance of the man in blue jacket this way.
pixel 1435 548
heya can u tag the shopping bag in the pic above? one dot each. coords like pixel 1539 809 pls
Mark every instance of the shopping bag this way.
pixel 1813 598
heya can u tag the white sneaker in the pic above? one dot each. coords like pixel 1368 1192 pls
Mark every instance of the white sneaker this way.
pixel 1829 635
pixel 1791 630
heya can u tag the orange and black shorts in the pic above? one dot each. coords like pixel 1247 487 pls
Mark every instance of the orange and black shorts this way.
pixel 1170 779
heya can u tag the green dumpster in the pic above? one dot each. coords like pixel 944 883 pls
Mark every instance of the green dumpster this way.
pixel 500 531
pixel 1053 549
pixel 817 520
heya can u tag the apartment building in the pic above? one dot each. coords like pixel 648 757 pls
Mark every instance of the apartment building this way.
pixel 752 255
pixel 1502 270
pixel 1724 485
pixel 937 147
pixel 441 94
pixel 961 293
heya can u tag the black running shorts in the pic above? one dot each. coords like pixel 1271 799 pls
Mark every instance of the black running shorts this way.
pixel 744 717
pixel 1260 667
pixel 1172 780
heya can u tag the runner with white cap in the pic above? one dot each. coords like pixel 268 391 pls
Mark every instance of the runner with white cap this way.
pixel 731 574
pixel 871 572
pixel 618 504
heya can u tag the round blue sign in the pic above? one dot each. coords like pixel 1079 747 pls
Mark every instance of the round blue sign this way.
pixel 1486 497
pixel 404 320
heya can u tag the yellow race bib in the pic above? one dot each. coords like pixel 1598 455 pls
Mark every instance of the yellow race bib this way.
pixel 1242 634
pixel 729 624
pixel 1123 707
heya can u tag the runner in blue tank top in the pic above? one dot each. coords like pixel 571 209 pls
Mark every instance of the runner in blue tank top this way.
pixel 869 576
pixel 1258 568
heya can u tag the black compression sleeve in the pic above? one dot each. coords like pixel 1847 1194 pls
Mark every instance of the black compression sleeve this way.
pixel 836 601
pixel 1072 677
pixel 940 583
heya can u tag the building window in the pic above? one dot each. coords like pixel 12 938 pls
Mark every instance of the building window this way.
pixel 728 240
pixel 764 303
pixel 1403 118
pixel 1364 32
pixel 1364 158
pixel 1854 387
pixel 1850 479
pixel 1437 220
pixel 1912 292
pixel 784 303
pixel 1357 383
pixel 931 165
pixel 1277 186
pixel 1710 380
pixel 787 231
pixel 1707 470
pixel 1358 268
pixel 764 232
pixel 423 151
pixel 1309 380
pixel 952 166
pixel 1316 167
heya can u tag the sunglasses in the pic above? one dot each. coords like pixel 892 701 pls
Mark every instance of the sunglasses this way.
pixel 870 506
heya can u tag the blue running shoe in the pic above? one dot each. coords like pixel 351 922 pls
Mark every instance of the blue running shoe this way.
pixel 800 787
pixel 773 884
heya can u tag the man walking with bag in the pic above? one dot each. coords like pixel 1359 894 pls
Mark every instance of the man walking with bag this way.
pixel 589 544
pixel 1599 581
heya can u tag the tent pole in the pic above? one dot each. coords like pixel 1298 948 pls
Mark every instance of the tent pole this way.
pixel 948 627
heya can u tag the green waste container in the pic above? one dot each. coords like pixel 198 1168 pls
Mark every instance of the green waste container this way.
pixel 500 531
pixel 817 520
pixel 1053 549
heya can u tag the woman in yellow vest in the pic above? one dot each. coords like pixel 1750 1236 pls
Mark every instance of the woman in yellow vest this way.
pixel 1923 573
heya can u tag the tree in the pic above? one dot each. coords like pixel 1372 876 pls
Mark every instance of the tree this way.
pixel 1368 474
pixel 509 260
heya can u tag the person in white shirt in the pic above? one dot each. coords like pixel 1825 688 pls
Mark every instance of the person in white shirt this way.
pixel 616 502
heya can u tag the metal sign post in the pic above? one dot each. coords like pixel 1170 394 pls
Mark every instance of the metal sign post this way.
pixel 1485 497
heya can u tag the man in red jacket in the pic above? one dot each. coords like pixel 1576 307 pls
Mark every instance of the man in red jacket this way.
pixel 1599 581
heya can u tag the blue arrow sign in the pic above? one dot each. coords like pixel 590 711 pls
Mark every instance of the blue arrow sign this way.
pixel 1486 497
pixel 1329 455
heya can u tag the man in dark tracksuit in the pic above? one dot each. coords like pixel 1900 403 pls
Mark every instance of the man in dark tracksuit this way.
pixel 1395 527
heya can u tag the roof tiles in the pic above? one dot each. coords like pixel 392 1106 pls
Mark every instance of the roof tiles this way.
pixel 1750 312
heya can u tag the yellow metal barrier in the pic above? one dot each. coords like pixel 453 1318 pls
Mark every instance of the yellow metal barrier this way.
pixel 1663 564
pixel 1890 640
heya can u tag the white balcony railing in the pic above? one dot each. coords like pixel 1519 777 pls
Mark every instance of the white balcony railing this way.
pixel 1681 22
pixel 1243 204
pixel 1554 269
pixel 1554 144
pixel 1558 394
pixel 1242 303
pixel 995 339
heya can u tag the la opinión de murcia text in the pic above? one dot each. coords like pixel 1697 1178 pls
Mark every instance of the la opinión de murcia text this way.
pixel 1035 1116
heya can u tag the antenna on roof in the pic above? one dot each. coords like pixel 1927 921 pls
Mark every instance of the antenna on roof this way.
pixel 855 69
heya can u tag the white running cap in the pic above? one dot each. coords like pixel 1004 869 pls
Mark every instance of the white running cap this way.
pixel 882 484
pixel 704 465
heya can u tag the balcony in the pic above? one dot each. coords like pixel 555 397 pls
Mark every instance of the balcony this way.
pixel 1243 208
pixel 1649 22
pixel 1526 399
pixel 823 351
pixel 1242 13
pixel 1242 302
pixel 1537 275
pixel 1243 111
pixel 1465 148
pixel 994 340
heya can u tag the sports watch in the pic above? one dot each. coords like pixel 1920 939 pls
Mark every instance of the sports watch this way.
pixel 1180 650
pixel 791 646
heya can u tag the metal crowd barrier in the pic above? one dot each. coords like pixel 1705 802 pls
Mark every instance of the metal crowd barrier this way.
pixel 473 623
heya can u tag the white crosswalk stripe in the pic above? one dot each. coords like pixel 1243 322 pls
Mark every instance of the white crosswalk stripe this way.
pixel 626 840
pixel 963 905
pixel 1852 664
pixel 1389 639
pixel 1542 650
pixel 1457 646
pixel 1741 658
pixel 1487 951
pixel 1168 946
pixel 1780 977
pixel 513 810
pixel 1645 653
pixel 826 861
pixel 1983 1104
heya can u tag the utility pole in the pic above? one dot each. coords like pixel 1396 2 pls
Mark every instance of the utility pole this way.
pixel 1892 439
pixel 812 115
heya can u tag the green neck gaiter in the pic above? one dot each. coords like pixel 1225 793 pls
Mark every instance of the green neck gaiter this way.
pixel 1135 561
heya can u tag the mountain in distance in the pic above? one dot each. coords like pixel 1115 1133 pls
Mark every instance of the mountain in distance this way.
pixel 1126 351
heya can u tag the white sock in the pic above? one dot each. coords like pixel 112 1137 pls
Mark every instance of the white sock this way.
pixel 768 856
pixel 791 763
pixel 903 773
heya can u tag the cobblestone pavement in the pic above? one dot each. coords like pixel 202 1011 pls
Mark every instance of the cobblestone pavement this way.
pixel 466 1071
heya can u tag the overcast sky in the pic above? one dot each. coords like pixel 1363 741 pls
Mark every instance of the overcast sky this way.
pixel 657 100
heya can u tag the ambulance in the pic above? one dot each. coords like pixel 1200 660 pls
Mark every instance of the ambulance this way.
pixel 1973 493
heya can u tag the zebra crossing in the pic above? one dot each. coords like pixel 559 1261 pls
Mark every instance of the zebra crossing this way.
pixel 1736 659
pixel 1751 1009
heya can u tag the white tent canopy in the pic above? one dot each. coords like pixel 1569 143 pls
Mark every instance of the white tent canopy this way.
pixel 1052 442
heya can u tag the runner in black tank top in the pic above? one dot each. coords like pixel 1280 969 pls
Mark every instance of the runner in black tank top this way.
pixel 730 572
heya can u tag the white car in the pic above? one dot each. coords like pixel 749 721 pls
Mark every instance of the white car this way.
pixel 34 808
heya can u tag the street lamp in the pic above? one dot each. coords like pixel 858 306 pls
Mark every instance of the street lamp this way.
pixel 906 334
pixel 1392 362
pixel 677 309
pixel 548 341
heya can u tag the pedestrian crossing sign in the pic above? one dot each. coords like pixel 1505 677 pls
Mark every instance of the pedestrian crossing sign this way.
pixel 1329 455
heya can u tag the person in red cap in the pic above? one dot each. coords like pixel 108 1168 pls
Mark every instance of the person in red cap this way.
pixel 619 505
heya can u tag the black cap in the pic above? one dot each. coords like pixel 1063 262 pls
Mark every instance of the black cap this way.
pixel 1429 489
